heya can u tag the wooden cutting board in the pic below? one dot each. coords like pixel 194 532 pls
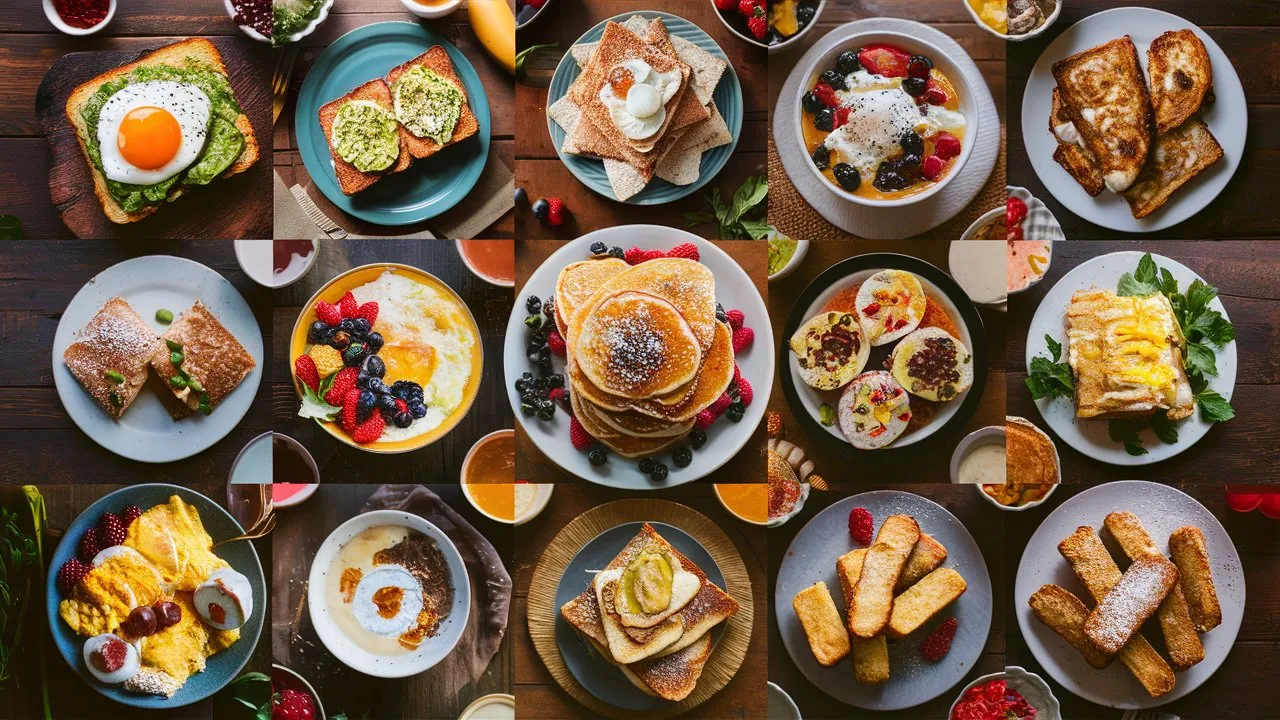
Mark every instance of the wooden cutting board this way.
pixel 238 207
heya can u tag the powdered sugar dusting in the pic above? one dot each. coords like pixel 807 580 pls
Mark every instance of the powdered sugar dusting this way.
pixel 1130 603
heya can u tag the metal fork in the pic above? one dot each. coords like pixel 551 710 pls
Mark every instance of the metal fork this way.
pixel 280 76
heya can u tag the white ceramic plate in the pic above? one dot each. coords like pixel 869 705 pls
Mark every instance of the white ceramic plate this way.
pixel 1227 117
pixel 430 652
pixel 1162 510
pixel 146 432
pixel 912 681
pixel 734 289
pixel 1090 436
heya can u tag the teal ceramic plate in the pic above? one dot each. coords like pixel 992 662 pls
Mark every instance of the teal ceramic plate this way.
pixel 429 187
pixel 221 668
pixel 728 99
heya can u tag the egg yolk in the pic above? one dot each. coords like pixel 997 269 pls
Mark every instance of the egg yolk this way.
pixel 148 137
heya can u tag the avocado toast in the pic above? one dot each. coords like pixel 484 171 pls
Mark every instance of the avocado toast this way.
pixel 353 179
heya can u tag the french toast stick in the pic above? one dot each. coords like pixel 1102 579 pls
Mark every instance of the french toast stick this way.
pixel 1181 641
pixel 821 622
pixel 870 657
pixel 1065 614
pixel 922 601
pixel 1186 544
pixel 1098 573
pixel 927 555
pixel 873 593
pixel 1130 603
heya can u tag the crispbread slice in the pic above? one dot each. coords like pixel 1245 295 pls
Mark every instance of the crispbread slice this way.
pixel 176 54
pixel 350 179
pixel 681 165
pixel 437 59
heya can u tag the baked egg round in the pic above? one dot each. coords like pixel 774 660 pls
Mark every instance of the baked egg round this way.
pixel 890 304
pixel 874 410
pixel 387 601
pixel 932 364
pixel 831 348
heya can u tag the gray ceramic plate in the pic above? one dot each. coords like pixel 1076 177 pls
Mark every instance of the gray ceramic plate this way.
pixel 912 681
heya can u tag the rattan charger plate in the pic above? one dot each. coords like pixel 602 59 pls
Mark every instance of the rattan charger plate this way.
pixel 728 653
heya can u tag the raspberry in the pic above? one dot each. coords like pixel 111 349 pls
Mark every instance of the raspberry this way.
pixel 556 394
pixel 724 4
pixel 131 513
pixel 110 531
pixel 745 393
pixel 1015 211
pixel 88 547
pixel 556 343
pixel 328 314
pixel 746 7
pixel 401 406
pixel 305 368
pixel 369 430
pixel 70 574
pixel 293 704
pixel 705 419
pixel 368 311
pixel 947 146
pixel 347 305
pixel 742 337
pixel 688 251
pixel 737 374
pixel 861 525
pixel 931 167
pixel 736 318
pixel 653 255
pixel 826 94
pixel 758 25
pixel 938 644
pixel 633 255
pixel 347 418
pixel 345 380
pixel 841 117
pixel 578 435
pixel 721 404
pixel 555 212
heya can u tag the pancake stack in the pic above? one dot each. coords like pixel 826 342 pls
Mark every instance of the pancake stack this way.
pixel 645 353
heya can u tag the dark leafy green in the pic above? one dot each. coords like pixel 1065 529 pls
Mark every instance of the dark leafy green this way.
pixel 742 217
pixel 10 228
pixel 1049 377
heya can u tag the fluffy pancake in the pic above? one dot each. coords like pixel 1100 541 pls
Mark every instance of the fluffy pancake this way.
pixel 578 281
pixel 686 284
pixel 712 381
pixel 635 345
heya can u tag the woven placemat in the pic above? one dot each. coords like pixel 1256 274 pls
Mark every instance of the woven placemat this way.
pixel 793 216
pixel 726 656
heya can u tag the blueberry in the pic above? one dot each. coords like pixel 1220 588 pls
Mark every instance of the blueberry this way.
pixel 387 404
pixel 375 341
pixel 821 157
pixel 847 62
pixel 825 119
pixel 811 103
pixel 377 386
pixel 735 411
pixel 646 465
pixel 616 251
pixel 556 380
pixel 549 308
pixel 599 248
pixel 697 438
pixel 912 144
pixel 659 472
pixel 914 86
pixel 403 420
pixel 418 410
pixel 805 12
pixel 533 304
pixel 682 457
pixel 522 197
pixel 317 332
pixel 374 366
pixel 888 179
pixel 540 208
pixel 597 457
pixel 362 325
pixel 834 79
pixel 847 176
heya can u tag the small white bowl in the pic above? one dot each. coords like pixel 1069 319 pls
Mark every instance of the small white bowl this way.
pixel 802 247
pixel 256 258
pixel 540 501
pixel 781 706
pixel 231 13
pixel 315 696
pixel 1057 463
pixel 1028 684
pixel 431 12
pixel 494 706
pixel 771 522
pixel 990 435
pixel 477 273
pixel 310 27
pixel 989 216
pixel 57 21
pixel 1053 16
pixel 779 47
pixel 539 13
pixel 915 46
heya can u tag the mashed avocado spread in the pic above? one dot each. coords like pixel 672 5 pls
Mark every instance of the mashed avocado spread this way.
pixel 427 103
pixel 364 134
pixel 290 16
pixel 223 146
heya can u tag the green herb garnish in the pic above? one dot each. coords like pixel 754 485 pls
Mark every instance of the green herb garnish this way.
pixel 740 219
pixel 164 316
pixel 177 381
pixel 173 345
pixel 1049 377
pixel 114 377
pixel 826 415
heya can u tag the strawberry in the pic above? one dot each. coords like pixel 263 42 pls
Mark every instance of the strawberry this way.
pixel 724 4
pixel 557 394
pixel 70 575
pixel 110 531
pixel 633 255
pixel 578 435
pixel 555 212
pixel 742 337
pixel 347 305
pixel 344 381
pixel 369 430
pixel 347 418
pixel 757 24
pixel 556 343
pixel 705 419
pixel 368 311
pixel 938 644
pixel 745 393
pixel 736 318
pixel 747 7
pixel 328 314
pixel 131 513
pixel 861 525
pixel 826 94
pixel 305 368
pixel 688 251
pixel 721 404
pixel 88 547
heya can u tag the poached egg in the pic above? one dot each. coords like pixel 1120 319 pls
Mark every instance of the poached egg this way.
pixel 636 95
pixel 150 131
pixel 387 601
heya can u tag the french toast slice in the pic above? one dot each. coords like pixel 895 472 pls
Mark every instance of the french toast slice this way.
pixel 1065 614
pixel 212 359
pixel 437 60
pixel 1181 77
pixel 1079 163
pixel 1178 156
pixel 873 593
pixel 821 622
pixel 915 607
pixel 870 657
pixel 1130 603
pixel 1187 546
pixel 116 341
pixel 351 179
pixel 1105 94
pixel 925 557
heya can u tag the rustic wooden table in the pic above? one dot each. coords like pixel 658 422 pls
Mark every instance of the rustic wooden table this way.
pixel 1246 31
pixel 347 15
pixel 41 443
pixel 1244 687
pixel 32 44
pixel 442 460
pixel 540 171
pixel 982 520
pixel 1239 450
pixel 933 466
pixel 69 696
pixel 746 466
pixel 537 693
pixel 296 539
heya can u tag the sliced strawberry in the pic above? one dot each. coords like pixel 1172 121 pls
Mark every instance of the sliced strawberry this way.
pixel 885 60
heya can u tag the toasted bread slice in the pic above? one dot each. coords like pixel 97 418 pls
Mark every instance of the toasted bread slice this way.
pixel 870 657
pixel 1181 77
pixel 350 179
pixel 710 607
pixel 925 557
pixel 1105 94
pixel 915 607
pixel 116 340
pixel 1079 163
pixel 626 647
pixel 1178 156
pixel 873 594
pixel 1186 544
pixel 211 356
pixel 1065 615
pixel 821 622
pixel 191 50
pixel 436 59
pixel 1130 603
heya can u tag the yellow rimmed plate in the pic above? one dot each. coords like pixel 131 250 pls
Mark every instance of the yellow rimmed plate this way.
pixel 333 291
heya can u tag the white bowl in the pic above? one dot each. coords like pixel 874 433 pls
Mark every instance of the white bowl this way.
pixel 1053 16
pixel 1031 686
pixel 477 273
pixel 52 14
pixel 1057 463
pixel 802 247
pixel 310 27
pixel 315 696
pixel 252 255
pixel 771 522
pixel 430 652
pixel 431 12
pixel 990 435
pixel 915 46
pixel 781 706
pixel 540 12
pixel 988 216
pixel 785 44
pixel 231 13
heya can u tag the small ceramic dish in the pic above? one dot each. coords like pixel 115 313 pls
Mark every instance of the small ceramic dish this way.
pixel 1053 16
pixel 802 247
pixel 430 12
pixel 308 29
pixel 1028 684
pixel 781 706
pixel 1057 462
pixel 790 42
pixel 293 677
pixel 257 260
pixel 771 522
pixel 499 282
pixel 246 29
pixel 52 13
pixel 985 219
pixel 498 706
pixel 1040 223
pixel 539 12
pixel 990 435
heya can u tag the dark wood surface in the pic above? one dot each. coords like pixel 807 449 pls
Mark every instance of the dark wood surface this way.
pixel 1246 31
pixel 537 693
pixel 931 466
pixel 69 696
pixel 746 466
pixel 1241 450
pixel 296 539
pixel 236 207
pixel 347 15
pixel 40 442
pixel 538 167
pixel 983 521
pixel 442 460
pixel 1244 686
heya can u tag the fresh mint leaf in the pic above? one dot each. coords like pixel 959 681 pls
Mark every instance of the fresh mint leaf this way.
pixel 1199 294
pixel 1134 448
pixel 756 229
pixel 740 218
pixel 1126 432
pixel 314 405
pixel 698 217
pixel 1131 286
pixel 1201 359
pixel 1055 348
pixel 1213 407
pixel 1050 379
pixel 748 195
pixel 1164 428
pixel 1168 285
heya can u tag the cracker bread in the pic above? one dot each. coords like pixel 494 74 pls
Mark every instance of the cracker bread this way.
pixel 116 339
pixel 350 179
pixel 436 59
pixel 178 53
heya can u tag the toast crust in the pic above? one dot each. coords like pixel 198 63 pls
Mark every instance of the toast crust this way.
pixel 1065 614
pixel 437 59
pixel 821 622
pixel 873 594
pixel 1178 157
pixel 351 179
pixel 1181 77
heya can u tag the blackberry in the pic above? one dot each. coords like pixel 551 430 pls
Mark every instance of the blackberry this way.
pixel 658 473
pixel 847 175
pixel 811 103
pixel 521 386
pixel 848 62
pixel 555 381
pixel 375 341
pixel 825 119
pixel 418 410
pixel 526 408
pixel 912 144
pixel 599 248
pixel 646 465
pixel 821 157
pixel 697 438
pixel 616 251
pixel 533 304
pixel 805 13
pixel 835 79
pixel 914 86
pixel 546 410
pixel 682 457
pixel 597 457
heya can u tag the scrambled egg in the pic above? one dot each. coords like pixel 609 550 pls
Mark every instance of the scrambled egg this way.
pixel 180 650
pixel 172 537
pixel 109 593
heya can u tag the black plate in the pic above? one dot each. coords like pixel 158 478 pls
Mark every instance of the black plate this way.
pixel 968 316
